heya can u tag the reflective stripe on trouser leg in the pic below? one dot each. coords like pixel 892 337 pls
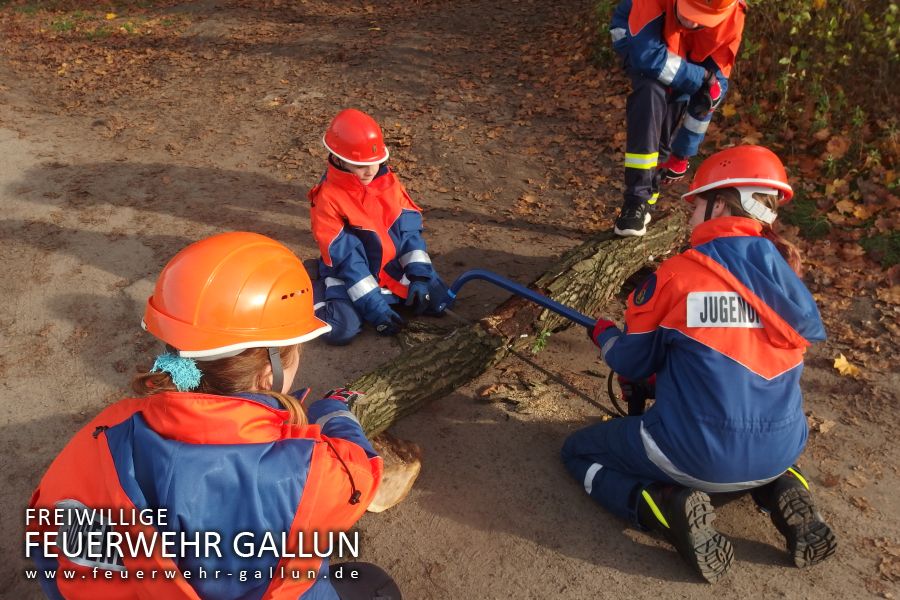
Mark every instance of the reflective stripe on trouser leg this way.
pixel 796 473
pixel 608 460
pixel 645 111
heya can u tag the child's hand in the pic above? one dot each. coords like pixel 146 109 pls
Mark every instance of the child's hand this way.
pixel 673 169
pixel 440 298
pixel 348 397
pixel 418 296
pixel 599 327
pixel 389 323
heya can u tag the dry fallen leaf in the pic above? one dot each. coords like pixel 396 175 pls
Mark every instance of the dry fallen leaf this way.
pixel 861 503
pixel 822 134
pixel 826 426
pixel 890 295
pixel 845 368
pixel 862 212
pixel 845 206
pixel 837 147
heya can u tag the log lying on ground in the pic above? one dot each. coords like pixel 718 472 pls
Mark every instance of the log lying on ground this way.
pixel 585 278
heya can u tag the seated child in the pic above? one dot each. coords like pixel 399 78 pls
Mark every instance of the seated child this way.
pixel 369 232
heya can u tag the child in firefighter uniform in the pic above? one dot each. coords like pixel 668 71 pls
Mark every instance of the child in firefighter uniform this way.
pixel 724 327
pixel 213 442
pixel 369 233
pixel 679 55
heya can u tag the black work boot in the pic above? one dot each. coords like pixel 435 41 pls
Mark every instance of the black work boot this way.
pixel 684 516
pixel 790 505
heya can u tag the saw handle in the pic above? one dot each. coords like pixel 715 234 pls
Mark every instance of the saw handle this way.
pixel 520 290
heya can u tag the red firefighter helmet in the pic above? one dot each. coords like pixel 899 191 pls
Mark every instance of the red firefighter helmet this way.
pixel 355 137
pixel 229 292
pixel 750 170
pixel 742 166
pixel 708 13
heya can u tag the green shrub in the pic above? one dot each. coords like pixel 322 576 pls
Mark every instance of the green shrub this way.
pixel 884 247
pixel 802 212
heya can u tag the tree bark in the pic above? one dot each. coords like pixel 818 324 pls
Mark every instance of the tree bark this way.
pixel 585 278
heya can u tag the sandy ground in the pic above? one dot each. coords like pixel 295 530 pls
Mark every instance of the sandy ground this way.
pixel 97 195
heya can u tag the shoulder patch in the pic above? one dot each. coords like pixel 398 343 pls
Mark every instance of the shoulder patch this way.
pixel 644 292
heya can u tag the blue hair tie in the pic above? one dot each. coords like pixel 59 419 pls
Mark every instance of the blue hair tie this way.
pixel 183 371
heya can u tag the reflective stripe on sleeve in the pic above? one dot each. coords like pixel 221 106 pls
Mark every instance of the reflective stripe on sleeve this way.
pixel 608 346
pixel 617 34
pixel 589 477
pixel 670 69
pixel 695 125
pixel 333 281
pixel 362 287
pixel 641 161
pixel 414 256
pixel 334 415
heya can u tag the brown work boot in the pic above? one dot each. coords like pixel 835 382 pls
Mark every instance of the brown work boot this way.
pixel 808 537
pixel 684 516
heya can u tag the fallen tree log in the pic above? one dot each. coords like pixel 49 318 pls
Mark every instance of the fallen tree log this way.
pixel 585 278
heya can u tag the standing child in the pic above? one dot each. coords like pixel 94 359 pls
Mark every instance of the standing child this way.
pixel 679 55
pixel 724 327
pixel 214 444
pixel 369 233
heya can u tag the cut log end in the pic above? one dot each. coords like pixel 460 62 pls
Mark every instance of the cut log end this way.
pixel 402 463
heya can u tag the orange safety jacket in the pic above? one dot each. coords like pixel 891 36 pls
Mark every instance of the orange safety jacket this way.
pixel 370 236
pixel 229 465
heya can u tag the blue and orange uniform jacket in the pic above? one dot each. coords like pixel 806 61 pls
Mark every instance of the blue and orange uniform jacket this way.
pixel 724 326
pixel 370 238
pixel 653 44
pixel 216 464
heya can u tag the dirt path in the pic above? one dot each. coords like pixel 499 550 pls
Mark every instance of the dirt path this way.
pixel 209 119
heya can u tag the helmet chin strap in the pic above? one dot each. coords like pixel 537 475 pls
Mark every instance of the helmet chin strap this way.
pixel 710 204
pixel 277 370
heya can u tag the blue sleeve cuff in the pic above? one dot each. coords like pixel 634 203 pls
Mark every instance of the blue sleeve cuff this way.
pixel 336 421
pixel 607 335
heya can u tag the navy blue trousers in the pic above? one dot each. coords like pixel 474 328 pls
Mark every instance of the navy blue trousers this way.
pixel 609 460
pixel 652 116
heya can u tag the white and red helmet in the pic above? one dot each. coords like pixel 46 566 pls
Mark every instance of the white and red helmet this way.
pixel 748 169
pixel 355 138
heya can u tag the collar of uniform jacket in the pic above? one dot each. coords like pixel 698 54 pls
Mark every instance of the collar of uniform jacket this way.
pixel 725 227
pixel 350 183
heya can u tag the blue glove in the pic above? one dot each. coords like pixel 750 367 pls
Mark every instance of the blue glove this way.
pixel 388 322
pixel 418 296
pixel 440 298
